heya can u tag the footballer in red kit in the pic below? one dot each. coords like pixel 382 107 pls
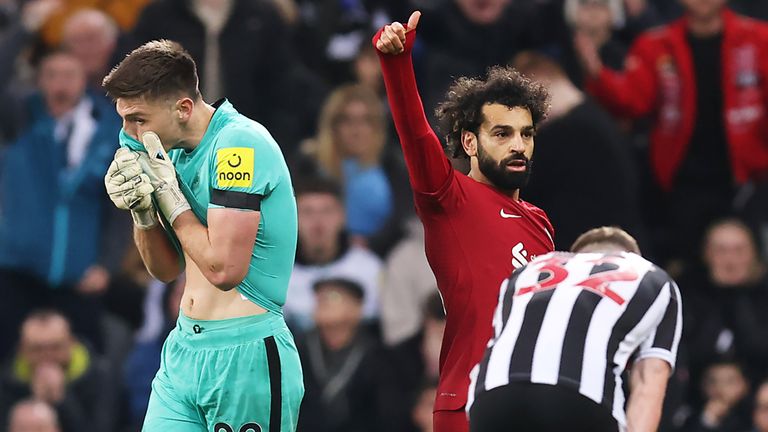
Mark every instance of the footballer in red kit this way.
pixel 477 229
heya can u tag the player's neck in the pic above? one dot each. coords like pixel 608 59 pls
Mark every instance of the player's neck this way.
pixel 478 176
pixel 197 126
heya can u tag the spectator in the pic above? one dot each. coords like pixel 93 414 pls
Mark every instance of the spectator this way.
pixel 8 14
pixel 760 415
pixel 597 20
pixel 465 37
pixel 707 138
pixel 331 34
pixel 244 54
pixel 599 190
pixel 408 365
pixel 60 239
pixel 726 407
pixel 725 306
pixel 91 36
pixel 20 33
pixel 640 15
pixel 122 12
pixel 52 366
pixel 33 416
pixel 351 148
pixel 407 283
pixel 337 357
pixel 324 251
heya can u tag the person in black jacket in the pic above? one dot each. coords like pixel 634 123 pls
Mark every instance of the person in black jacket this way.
pixel 54 367
pixel 726 406
pixel 338 357
pixel 244 53
pixel 726 302
pixel 465 37
pixel 583 174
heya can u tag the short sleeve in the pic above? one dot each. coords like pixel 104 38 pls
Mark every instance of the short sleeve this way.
pixel 246 169
pixel 663 342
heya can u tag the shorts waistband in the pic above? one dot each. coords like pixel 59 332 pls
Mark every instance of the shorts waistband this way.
pixel 228 332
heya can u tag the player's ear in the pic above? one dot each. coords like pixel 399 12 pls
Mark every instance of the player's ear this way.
pixel 184 107
pixel 469 142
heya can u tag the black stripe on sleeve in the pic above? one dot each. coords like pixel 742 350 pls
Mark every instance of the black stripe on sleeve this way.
pixel 665 332
pixel 275 385
pixel 649 288
pixel 234 199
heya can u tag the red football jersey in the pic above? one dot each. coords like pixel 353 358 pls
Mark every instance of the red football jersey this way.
pixel 474 233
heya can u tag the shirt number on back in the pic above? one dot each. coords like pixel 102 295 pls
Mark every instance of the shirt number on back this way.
pixel 598 283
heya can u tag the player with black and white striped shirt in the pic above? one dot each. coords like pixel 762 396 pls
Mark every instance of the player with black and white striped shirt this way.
pixel 565 329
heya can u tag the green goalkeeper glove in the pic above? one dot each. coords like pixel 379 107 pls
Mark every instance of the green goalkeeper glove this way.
pixel 130 189
pixel 158 167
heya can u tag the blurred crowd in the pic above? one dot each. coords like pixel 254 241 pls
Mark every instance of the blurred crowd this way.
pixel 657 125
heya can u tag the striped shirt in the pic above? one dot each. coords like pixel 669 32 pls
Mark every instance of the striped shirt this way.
pixel 576 320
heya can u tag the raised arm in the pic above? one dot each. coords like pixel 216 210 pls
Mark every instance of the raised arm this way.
pixel 428 167
pixel 631 92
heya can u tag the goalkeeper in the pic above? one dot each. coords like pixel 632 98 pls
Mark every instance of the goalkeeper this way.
pixel 216 181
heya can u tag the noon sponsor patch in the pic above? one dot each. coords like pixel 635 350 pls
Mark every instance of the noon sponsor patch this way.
pixel 234 167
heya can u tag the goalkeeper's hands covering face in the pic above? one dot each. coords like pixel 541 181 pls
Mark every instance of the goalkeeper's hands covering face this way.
pixel 158 167
pixel 133 177
pixel 130 189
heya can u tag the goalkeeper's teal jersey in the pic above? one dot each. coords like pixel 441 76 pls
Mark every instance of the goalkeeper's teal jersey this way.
pixel 239 165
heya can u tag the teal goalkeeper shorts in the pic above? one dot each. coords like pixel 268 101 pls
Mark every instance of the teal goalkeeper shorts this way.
pixel 233 375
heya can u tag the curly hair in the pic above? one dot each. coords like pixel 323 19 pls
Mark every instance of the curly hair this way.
pixel 462 108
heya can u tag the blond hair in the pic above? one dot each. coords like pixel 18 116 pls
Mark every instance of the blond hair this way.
pixel 607 235
pixel 328 152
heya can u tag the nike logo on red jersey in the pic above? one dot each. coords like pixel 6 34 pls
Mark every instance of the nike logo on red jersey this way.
pixel 508 216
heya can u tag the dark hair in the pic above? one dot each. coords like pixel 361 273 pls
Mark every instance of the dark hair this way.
pixel 351 287
pixel 317 185
pixel 608 235
pixel 752 233
pixel 726 360
pixel 462 109
pixel 157 69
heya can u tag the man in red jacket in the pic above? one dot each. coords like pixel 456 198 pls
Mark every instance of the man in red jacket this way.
pixel 704 81
pixel 476 226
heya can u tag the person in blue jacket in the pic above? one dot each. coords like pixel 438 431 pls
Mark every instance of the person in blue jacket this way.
pixel 53 207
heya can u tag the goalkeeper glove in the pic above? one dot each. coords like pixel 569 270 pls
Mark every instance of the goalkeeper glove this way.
pixel 158 167
pixel 130 189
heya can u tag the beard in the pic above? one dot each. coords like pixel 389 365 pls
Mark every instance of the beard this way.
pixel 498 173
